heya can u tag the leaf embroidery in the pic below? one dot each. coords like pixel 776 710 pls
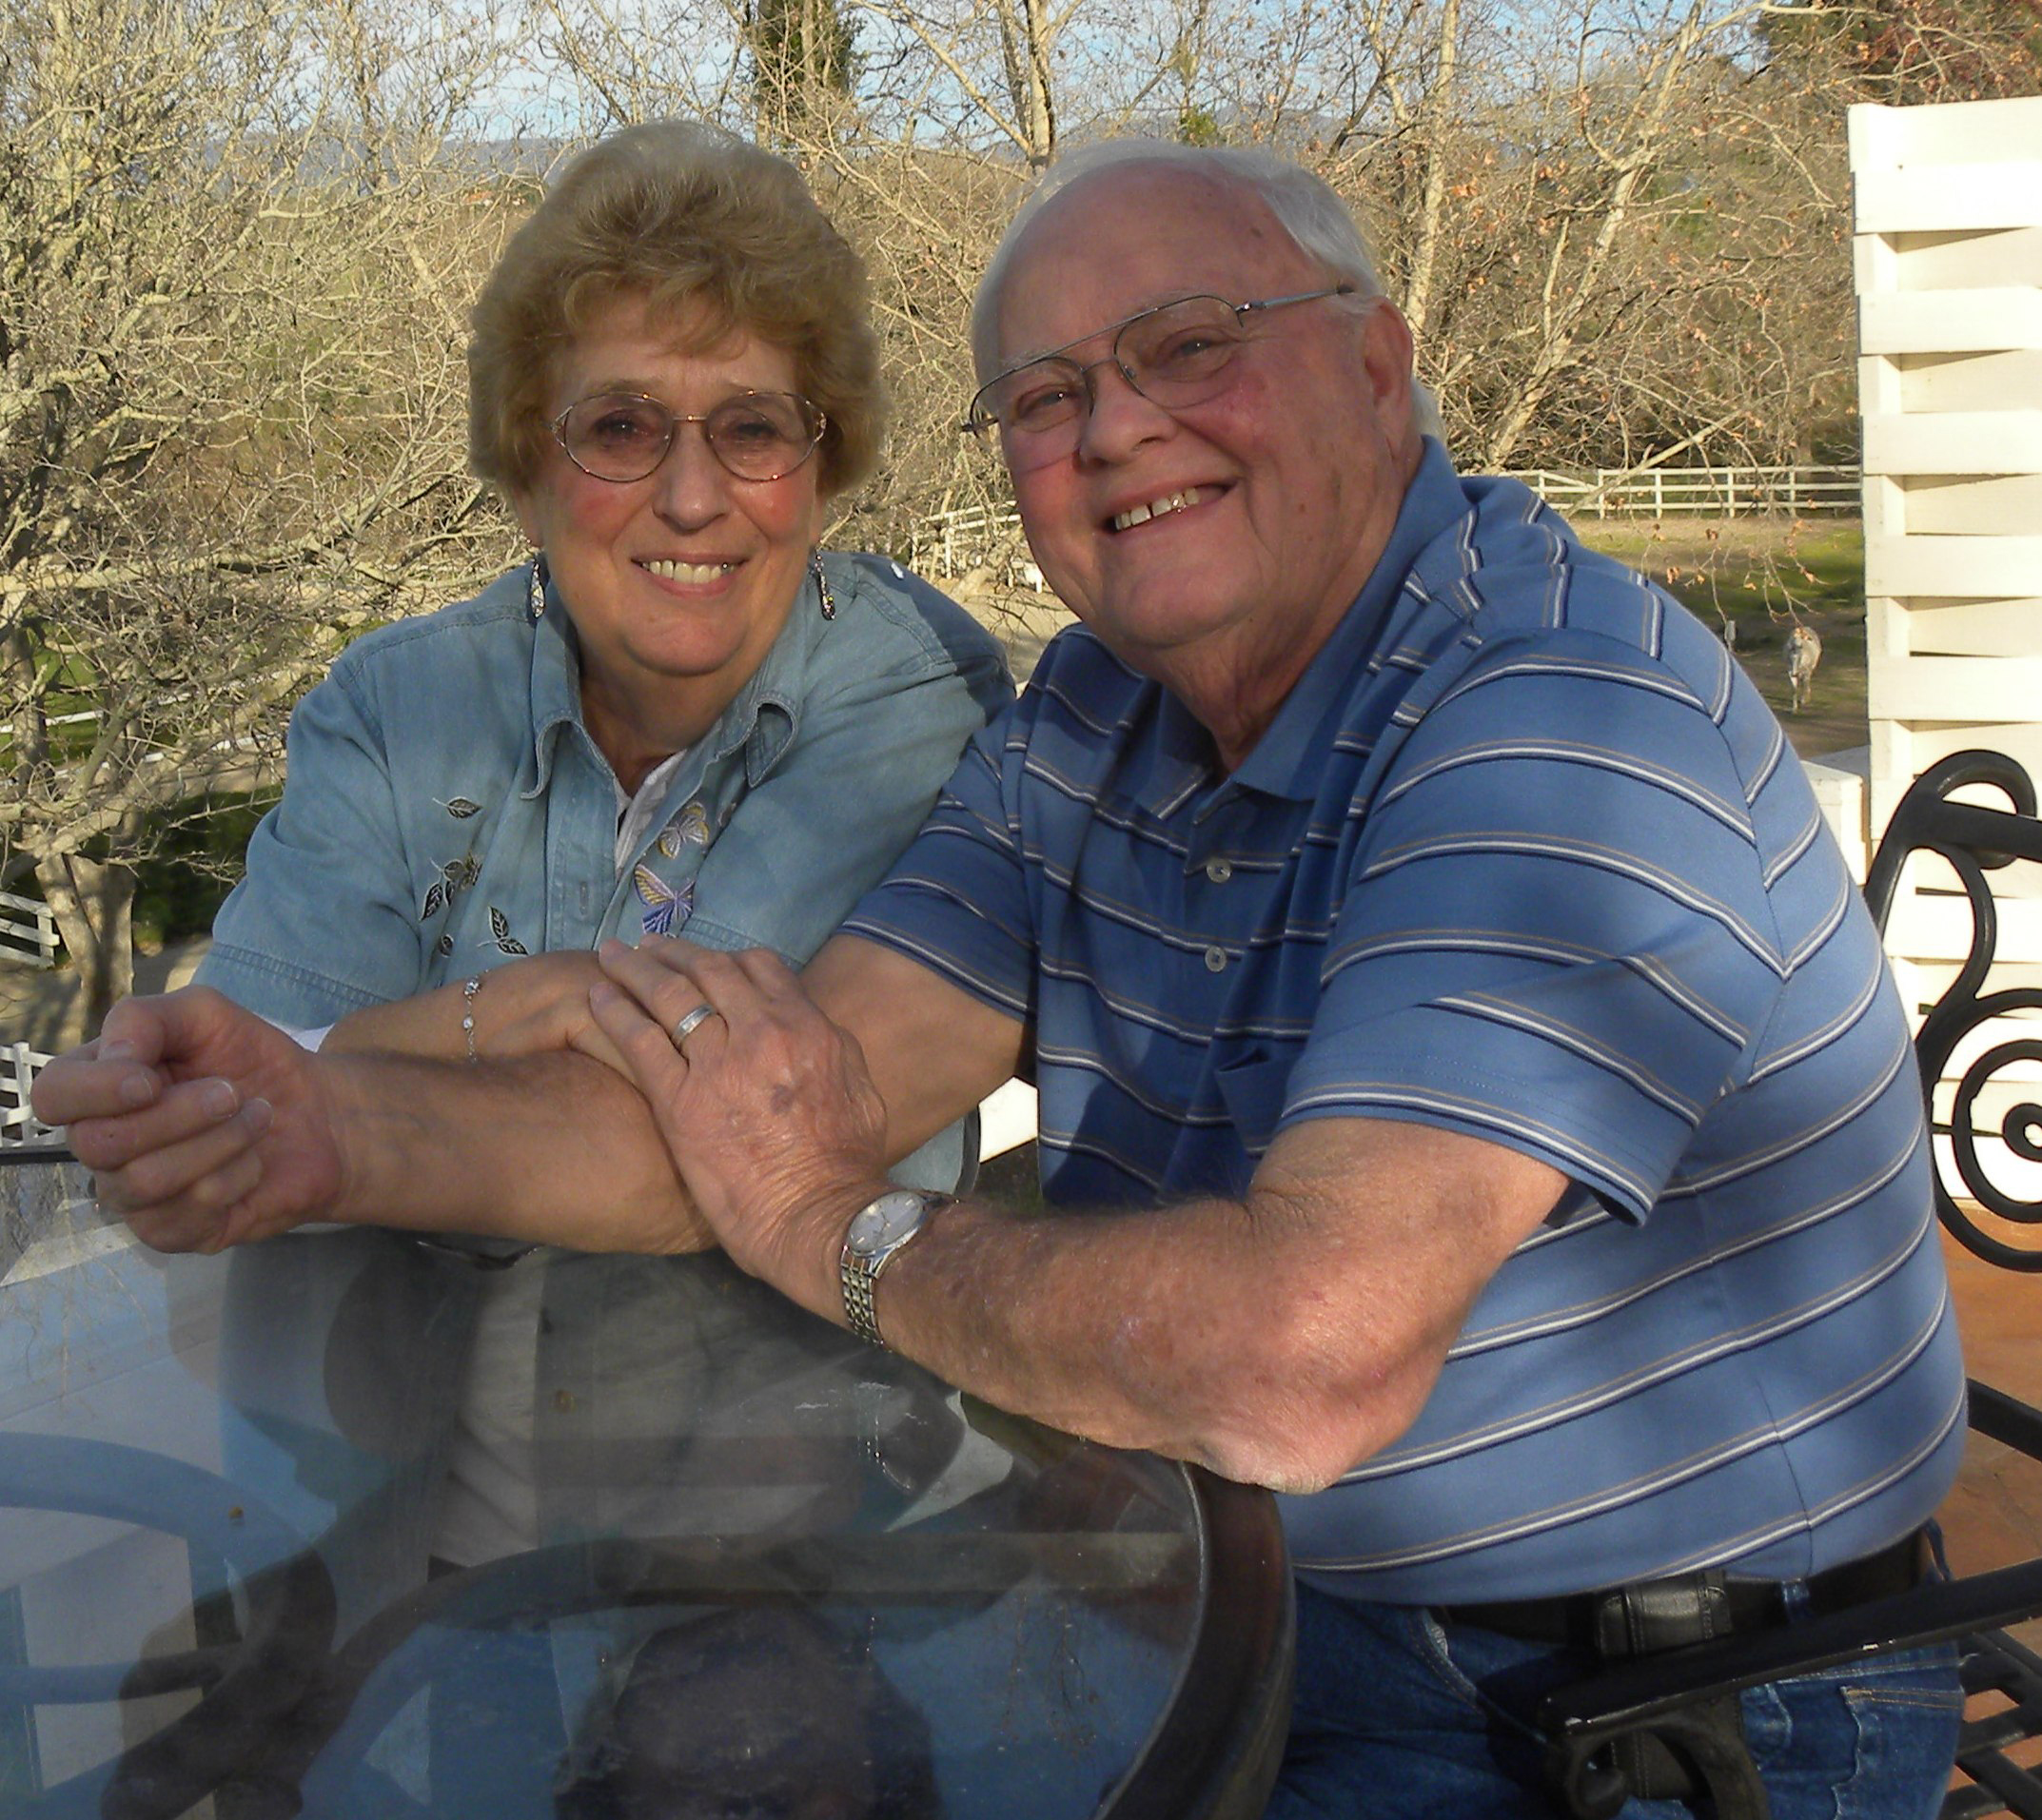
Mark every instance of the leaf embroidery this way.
pixel 444 946
pixel 500 928
pixel 460 809
pixel 455 875
pixel 663 905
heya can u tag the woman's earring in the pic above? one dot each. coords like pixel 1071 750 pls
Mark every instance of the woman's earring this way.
pixel 535 588
pixel 822 586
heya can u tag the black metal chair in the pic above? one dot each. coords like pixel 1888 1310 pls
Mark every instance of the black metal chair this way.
pixel 1661 1695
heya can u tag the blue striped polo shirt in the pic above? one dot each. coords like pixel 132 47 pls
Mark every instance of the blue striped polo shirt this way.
pixel 1524 855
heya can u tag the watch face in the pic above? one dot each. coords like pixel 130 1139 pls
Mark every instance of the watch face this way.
pixel 887 1220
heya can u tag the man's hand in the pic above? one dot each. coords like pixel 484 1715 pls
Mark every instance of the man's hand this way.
pixel 769 1110
pixel 204 1125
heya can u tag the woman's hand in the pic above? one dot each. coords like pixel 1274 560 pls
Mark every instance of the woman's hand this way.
pixel 768 1109
pixel 530 1007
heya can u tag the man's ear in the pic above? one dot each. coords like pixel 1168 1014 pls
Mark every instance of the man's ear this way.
pixel 1387 354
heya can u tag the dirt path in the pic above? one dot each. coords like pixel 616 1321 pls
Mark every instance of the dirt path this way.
pixel 1834 717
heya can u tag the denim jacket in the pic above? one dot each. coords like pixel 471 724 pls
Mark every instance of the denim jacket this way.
pixel 446 810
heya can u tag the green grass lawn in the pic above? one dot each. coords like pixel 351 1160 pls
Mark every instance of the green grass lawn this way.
pixel 1759 575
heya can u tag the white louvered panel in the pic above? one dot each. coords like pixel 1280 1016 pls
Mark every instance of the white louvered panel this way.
pixel 1958 132
pixel 1936 929
pixel 1928 742
pixel 1900 751
pixel 1921 983
pixel 1890 766
pixel 1972 567
pixel 1970 505
pixel 1953 262
pixel 1961 689
pixel 2010 379
pixel 1948 255
pixel 1973 628
pixel 1941 199
pixel 1952 322
pixel 1955 442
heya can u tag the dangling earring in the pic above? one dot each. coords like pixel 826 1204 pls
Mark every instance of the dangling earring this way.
pixel 535 588
pixel 822 586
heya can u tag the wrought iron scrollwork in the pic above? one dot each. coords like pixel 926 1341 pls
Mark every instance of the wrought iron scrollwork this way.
pixel 1975 841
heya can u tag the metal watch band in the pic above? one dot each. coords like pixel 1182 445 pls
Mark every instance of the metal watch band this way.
pixel 859 1265
pixel 858 1280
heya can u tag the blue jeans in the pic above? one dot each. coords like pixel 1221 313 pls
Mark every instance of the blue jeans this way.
pixel 1400 1717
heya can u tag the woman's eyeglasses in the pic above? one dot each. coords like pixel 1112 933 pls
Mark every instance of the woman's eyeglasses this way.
pixel 624 436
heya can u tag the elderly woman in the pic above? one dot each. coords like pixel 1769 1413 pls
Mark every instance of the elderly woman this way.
pixel 680 713
pixel 651 725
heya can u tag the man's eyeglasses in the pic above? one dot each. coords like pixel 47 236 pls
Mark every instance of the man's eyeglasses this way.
pixel 624 436
pixel 1174 355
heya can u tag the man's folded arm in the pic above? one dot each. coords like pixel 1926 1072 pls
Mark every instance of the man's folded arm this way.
pixel 207 1126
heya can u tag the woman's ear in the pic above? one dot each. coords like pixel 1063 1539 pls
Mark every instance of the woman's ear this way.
pixel 529 519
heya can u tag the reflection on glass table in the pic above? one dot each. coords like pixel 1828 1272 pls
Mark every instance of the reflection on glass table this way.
pixel 344 1524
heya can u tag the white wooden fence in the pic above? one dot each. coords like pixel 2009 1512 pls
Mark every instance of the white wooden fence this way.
pixel 18 1125
pixel 28 931
pixel 1716 493
pixel 976 537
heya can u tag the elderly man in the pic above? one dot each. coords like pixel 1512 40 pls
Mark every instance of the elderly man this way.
pixel 1472 1099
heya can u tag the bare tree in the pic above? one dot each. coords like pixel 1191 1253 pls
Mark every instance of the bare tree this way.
pixel 1912 51
pixel 237 240
pixel 232 412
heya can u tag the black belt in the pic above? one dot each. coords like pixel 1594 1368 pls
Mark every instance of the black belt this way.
pixel 1620 1621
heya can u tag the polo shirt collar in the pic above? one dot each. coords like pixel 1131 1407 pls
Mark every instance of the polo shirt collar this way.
pixel 1290 759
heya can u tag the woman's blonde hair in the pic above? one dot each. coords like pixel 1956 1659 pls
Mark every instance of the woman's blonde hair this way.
pixel 708 230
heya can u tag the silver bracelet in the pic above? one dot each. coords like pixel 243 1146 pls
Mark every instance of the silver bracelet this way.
pixel 468 990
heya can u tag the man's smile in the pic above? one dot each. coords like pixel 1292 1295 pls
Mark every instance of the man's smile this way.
pixel 1162 507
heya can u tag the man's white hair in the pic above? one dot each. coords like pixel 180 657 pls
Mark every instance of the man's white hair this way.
pixel 1306 206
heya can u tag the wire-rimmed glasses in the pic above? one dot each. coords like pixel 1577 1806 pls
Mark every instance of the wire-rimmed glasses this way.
pixel 1174 355
pixel 624 436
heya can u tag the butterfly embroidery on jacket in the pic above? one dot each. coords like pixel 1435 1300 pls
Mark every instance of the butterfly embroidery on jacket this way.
pixel 689 827
pixel 666 909
pixel 664 906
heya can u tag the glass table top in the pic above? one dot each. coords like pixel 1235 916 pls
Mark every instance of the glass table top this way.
pixel 345 1524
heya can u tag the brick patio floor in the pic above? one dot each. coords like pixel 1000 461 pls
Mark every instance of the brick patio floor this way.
pixel 1993 1517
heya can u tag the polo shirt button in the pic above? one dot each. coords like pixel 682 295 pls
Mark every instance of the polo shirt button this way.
pixel 1219 870
pixel 1216 960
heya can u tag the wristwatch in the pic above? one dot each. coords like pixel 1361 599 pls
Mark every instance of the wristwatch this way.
pixel 876 1232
